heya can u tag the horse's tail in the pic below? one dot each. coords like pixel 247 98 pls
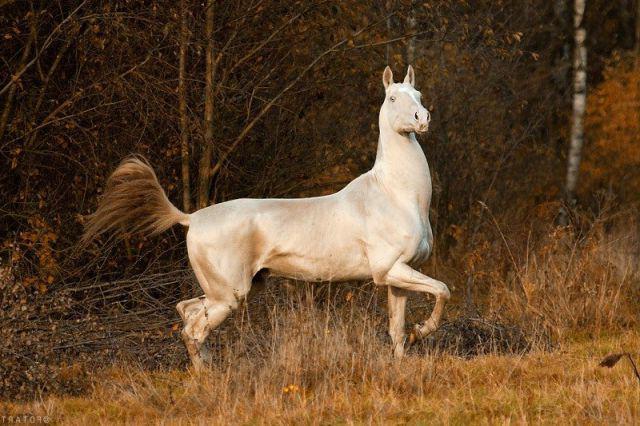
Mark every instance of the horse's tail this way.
pixel 133 201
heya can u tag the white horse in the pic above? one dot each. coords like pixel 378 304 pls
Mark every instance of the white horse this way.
pixel 377 228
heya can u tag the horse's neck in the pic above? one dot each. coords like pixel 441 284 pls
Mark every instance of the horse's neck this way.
pixel 401 164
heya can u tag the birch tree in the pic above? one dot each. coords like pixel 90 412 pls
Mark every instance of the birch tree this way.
pixel 579 104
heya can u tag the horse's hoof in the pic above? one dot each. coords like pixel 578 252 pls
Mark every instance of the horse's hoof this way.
pixel 412 338
pixel 426 328
pixel 415 335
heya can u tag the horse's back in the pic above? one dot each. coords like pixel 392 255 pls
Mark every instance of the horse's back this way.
pixel 314 238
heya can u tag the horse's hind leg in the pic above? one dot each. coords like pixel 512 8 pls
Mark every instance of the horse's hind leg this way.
pixel 200 316
pixel 223 288
pixel 193 332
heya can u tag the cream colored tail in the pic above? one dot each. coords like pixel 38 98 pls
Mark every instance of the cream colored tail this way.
pixel 133 201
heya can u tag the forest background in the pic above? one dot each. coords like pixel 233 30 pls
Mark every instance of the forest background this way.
pixel 272 98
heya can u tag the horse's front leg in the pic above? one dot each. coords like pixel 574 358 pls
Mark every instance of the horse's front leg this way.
pixel 397 299
pixel 404 277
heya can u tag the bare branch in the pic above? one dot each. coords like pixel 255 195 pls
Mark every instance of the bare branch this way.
pixel 45 45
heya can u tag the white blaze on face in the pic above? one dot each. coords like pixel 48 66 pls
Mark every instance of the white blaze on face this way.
pixel 413 94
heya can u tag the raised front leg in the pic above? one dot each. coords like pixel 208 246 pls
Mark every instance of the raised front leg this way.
pixel 404 277
pixel 397 299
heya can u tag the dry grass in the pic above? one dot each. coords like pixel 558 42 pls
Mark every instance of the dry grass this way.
pixel 572 282
pixel 325 383
pixel 322 356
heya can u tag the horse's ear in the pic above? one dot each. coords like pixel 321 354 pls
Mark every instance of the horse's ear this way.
pixel 410 77
pixel 387 77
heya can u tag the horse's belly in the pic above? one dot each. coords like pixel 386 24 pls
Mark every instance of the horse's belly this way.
pixel 336 265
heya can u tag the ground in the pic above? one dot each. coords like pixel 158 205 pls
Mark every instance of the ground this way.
pixel 564 384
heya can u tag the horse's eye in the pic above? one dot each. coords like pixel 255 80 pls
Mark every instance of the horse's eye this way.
pixel 393 98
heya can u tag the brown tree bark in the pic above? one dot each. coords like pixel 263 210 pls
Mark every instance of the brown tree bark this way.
pixel 204 182
pixel 637 34
pixel 182 104
pixel 389 4
pixel 411 29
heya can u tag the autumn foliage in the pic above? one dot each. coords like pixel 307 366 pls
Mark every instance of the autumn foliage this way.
pixel 612 155
pixel 295 96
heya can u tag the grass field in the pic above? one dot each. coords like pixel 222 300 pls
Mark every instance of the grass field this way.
pixel 565 385
pixel 322 356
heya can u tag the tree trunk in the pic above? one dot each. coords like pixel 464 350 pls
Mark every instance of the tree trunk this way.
pixel 637 40
pixel 204 183
pixel 579 104
pixel 388 53
pixel 411 29
pixel 182 101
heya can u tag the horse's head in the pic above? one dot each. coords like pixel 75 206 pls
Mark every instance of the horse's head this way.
pixel 402 107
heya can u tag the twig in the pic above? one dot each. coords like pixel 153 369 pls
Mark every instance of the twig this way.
pixel 495 222
pixel 273 101
pixel 46 44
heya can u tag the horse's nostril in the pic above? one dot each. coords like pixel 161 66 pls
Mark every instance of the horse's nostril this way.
pixel 416 115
